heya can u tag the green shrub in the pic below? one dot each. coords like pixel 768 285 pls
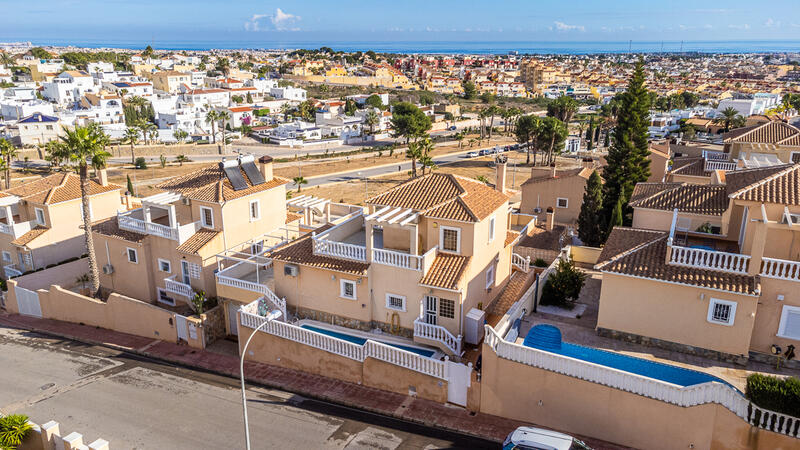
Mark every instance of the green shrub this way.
pixel 777 394
pixel 563 286
pixel 539 262
pixel 13 430
pixel 140 163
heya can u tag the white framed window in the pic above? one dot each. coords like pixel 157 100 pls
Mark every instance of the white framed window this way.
pixel 255 210
pixel 6 256
pixel 347 289
pixel 164 265
pixel 450 239
pixel 395 302
pixel 39 215
pixel 490 276
pixel 790 323
pixel 133 255
pixel 207 217
pixel 562 202
pixel 721 312
pixel 164 297
pixel 492 223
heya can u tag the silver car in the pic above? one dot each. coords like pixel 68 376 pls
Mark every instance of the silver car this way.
pixel 530 438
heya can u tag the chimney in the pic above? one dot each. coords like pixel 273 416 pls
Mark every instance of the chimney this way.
pixel 551 217
pixel 265 164
pixel 102 177
pixel 500 182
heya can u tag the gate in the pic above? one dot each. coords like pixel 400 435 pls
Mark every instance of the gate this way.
pixel 28 302
pixel 459 379
pixel 180 327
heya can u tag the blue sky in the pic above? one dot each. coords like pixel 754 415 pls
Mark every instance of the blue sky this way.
pixel 401 20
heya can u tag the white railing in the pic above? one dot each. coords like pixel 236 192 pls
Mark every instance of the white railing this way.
pixel 339 249
pixel 186 231
pixel 396 259
pixel 709 259
pixel 370 349
pixel 17 229
pixel 780 268
pixel 711 165
pixel 177 287
pixel 437 333
pixel 11 271
pixel 712 155
pixel 523 264
pixel 685 396
pixel 262 289
pixel 126 222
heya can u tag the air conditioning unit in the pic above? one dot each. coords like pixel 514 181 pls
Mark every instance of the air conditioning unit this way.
pixel 186 201
pixel 290 270
pixel 537 210
pixel 108 269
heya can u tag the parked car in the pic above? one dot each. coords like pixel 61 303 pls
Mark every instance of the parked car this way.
pixel 484 152
pixel 472 154
pixel 530 438
pixel 453 128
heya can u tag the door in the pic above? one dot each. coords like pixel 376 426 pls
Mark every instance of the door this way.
pixel 28 302
pixel 233 329
pixel 185 272
pixel 430 309
pixel 743 229
pixel 180 327
pixel 377 237
pixel 459 378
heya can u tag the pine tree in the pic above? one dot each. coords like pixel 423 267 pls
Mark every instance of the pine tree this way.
pixel 627 158
pixel 130 185
pixel 616 216
pixel 590 220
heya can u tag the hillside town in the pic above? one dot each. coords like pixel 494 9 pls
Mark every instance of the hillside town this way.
pixel 526 251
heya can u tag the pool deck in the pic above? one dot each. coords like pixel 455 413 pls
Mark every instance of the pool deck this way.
pixel 582 331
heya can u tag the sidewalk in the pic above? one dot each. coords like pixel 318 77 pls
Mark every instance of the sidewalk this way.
pixel 399 406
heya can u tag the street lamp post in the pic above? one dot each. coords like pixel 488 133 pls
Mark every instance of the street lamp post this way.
pixel 269 318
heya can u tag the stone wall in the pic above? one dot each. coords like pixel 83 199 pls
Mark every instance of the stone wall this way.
pixel 213 324
pixel 321 316
pixel 150 151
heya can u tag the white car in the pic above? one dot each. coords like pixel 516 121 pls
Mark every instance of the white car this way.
pixel 530 438
pixel 472 154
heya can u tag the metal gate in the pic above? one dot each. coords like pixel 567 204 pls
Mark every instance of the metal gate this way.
pixel 180 327
pixel 28 302
pixel 459 379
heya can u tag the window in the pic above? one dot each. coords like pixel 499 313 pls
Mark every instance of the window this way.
pixel 39 215
pixel 163 297
pixel 257 247
pixel 492 221
pixel 450 239
pixel 447 308
pixel 6 256
pixel 164 265
pixel 133 256
pixel 490 277
pixel 795 157
pixel 255 210
pixel 721 311
pixel 790 323
pixel 207 217
pixel 562 202
pixel 396 302
pixel 347 289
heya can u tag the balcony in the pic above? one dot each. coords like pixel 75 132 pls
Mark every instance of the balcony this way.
pixel 17 229
pixel 712 165
pixel 701 258
pixel 347 240
pixel 179 288
pixel 134 221
pixel 780 268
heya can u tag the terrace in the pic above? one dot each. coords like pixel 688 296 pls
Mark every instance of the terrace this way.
pixel 702 250
pixel 159 216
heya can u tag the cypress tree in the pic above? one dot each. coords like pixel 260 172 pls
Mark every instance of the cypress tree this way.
pixel 616 216
pixel 627 157
pixel 130 185
pixel 590 220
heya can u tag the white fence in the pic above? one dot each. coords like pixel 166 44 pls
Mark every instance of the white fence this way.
pixel 523 264
pixel 709 259
pixel 727 166
pixel 279 303
pixel 437 333
pixel 176 287
pixel 339 249
pixel 396 259
pixel 710 392
pixel 781 268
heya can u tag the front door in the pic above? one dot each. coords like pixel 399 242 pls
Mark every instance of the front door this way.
pixel 232 319
pixel 430 309
pixel 185 272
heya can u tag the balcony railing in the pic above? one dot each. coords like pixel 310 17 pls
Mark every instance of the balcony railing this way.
pixel 180 233
pixel 711 165
pixel 437 333
pixel 708 259
pixel 711 155
pixel 11 271
pixel 523 264
pixel 780 268
pixel 396 259
pixel 262 289
pixel 325 247
pixel 19 228
pixel 177 287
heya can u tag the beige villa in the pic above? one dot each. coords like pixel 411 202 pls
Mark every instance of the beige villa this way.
pixel 708 269
pixel 40 221
pixel 561 190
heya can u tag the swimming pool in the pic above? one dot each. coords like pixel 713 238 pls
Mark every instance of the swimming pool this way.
pixel 548 338
pixel 361 341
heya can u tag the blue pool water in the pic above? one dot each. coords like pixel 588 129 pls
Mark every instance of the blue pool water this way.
pixel 360 341
pixel 548 338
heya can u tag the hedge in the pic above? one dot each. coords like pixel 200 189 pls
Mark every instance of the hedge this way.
pixel 777 394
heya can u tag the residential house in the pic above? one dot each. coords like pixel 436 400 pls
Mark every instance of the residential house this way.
pixel 170 80
pixel 68 87
pixel 36 129
pixel 561 190
pixel 771 141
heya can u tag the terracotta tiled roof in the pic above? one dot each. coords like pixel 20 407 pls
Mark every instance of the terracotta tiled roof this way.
pixel 110 227
pixel 210 184
pixel 57 188
pixel 691 166
pixel 708 199
pixel 642 253
pixel 446 271
pixel 740 179
pixel 765 133
pixel 198 240
pixel 26 238
pixel 781 187
pixel 511 293
pixel 540 238
pixel 511 236
pixel 301 252
pixel 644 190
pixel 583 172
pixel 292 216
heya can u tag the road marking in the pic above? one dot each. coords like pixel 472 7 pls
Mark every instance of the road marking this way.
pixel 148 346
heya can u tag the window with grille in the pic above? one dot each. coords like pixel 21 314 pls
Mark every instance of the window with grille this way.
pixel 164 265
pixel 562 202
pixel 396 302
pixel 348 289
pixel 790 323
pixel 447 308
pixel 194 270
pixel 133 256
pixel 207 217
pixel 450 241
pixel 721 311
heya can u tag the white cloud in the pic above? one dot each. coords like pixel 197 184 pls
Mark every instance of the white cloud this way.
pixel 279 21
pixel 708 26
pixel 739 27
pixel 561 26
pixel 772 23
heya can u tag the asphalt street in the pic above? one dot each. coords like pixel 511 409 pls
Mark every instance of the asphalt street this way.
pixel 136 403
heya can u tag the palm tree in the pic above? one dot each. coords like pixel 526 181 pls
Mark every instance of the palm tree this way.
pixel 728 118
pixel 131 137
pixel 426 145
pixel 85 146
pixel 55 153
pixel 491 112
pixel 8 152
pixel 460 138
pixel 372 119
pixel 224 116
pixel 299 181
pixel 285 111
pixel 180 159
pixel 211 117
pixel 414 152
pixel 180 135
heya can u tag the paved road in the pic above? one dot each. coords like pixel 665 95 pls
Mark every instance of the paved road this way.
pixel 136 403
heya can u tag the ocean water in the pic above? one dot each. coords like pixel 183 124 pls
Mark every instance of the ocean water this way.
pixel 456 47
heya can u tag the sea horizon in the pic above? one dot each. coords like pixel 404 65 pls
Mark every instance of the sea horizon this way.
pixel 443 47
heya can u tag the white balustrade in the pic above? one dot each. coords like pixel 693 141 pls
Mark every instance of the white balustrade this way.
pixel 437 333
pixel 17 229
pixel 339 249
pixel 262 289
pixel 180 234
pixel 709 259
pixel 780 268
pixel 711 165
pixel 396 259
pixel 176 287
pixel 715 155
pixel 406 359
pixel 523 264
